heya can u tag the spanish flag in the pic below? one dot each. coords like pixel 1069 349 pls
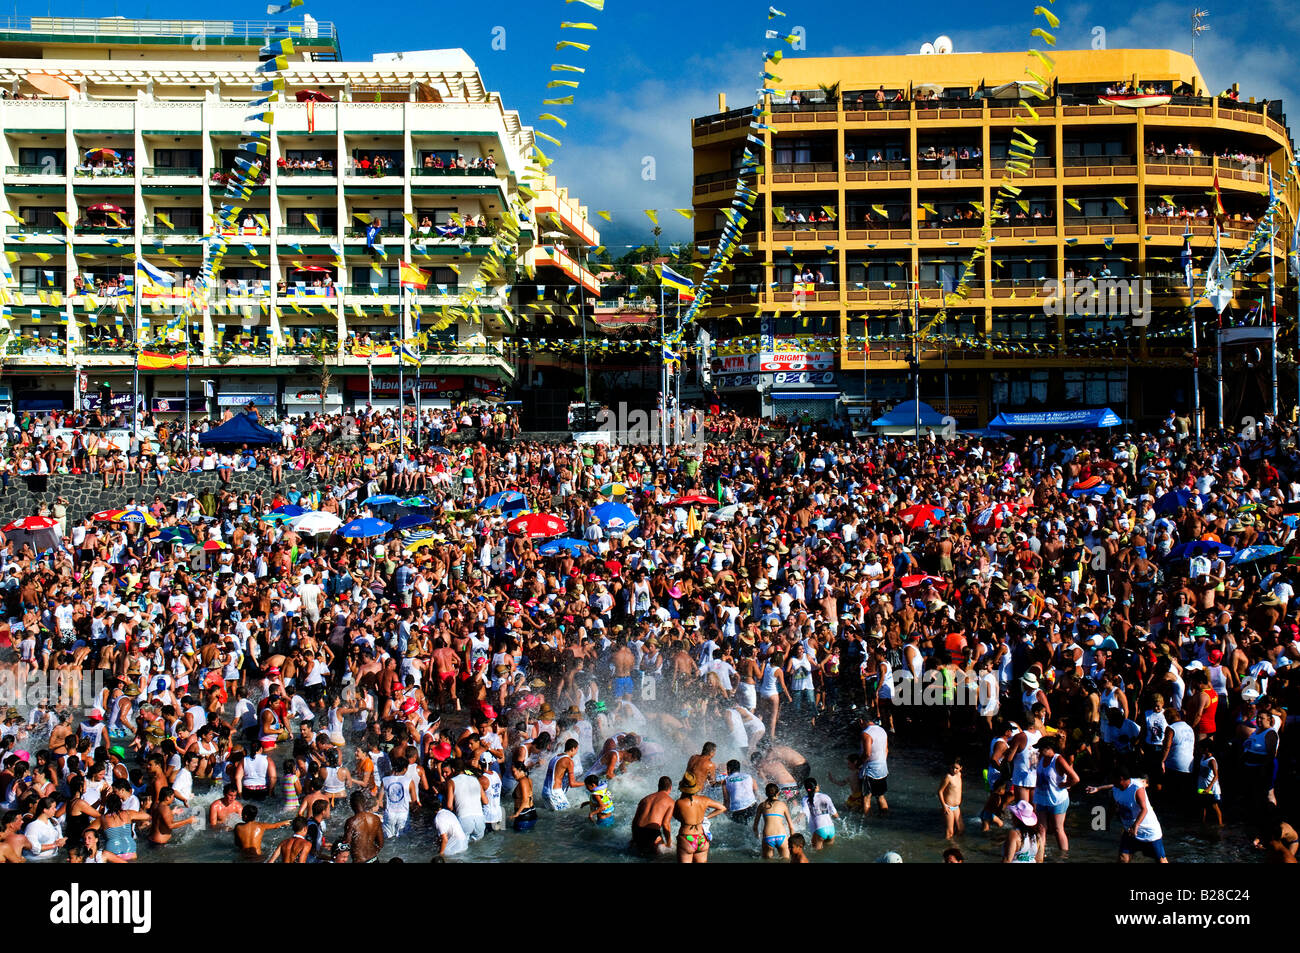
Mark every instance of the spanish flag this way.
pixel 412 276
pixel 153 361
pixel 1219 211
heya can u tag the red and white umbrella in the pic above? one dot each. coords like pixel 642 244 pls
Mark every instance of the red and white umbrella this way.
pixel 991 518
pixel 30 524
pixel 920 579
pixel 693 498
pixel 537 525
pixel 921 515
pixel 106 516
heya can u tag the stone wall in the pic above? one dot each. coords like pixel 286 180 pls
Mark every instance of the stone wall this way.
pixel 86 494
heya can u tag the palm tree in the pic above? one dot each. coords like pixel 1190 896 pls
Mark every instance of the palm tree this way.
pixel 831 92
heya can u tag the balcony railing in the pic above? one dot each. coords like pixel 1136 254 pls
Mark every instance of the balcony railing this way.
pixel 159 171
pixel 383 233
pixel 126 229
pixel 1096 162
pixel 114 172
pixel 1100 220
pixel 35 170
pixel 30 229
pixel 367 290
pixel 788 167
pixel 179 230
pixel 308 173
pixel 326 230
pixel 425 170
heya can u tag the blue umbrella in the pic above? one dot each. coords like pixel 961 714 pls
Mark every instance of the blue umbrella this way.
pixel 615 516
pixel 364 528
pixel 505 500
pixel 1251 553
pixel 383 499
pixel 1174 500
pixel 1101 489
pixel 1202 547
pixel 566 544
pixel 412 520
pixel 289 510
pixel 175 534
pixel 443 450
pixel 416 501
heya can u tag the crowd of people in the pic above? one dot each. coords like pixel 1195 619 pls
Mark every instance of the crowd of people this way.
pixel 726 626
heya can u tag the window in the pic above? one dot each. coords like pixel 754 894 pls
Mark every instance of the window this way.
pixel 1096 388
pixel 390 219
pixel 49 160
pixel 1020 388
pixel 42 216
pixel 876 271
pixel 1023 326
pixel 328 220
pixel 177 158
pixel 36 278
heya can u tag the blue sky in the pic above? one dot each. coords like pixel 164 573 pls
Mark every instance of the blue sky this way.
pixel 654 66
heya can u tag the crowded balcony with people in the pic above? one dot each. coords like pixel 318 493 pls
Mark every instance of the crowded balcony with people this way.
pixel 434 162
pixel 102 162
pixel 307 162
pixel 1021 271
pixel 887 153
pixel 375 163
pixel 105 218
pixel 942 213
pixel 890 211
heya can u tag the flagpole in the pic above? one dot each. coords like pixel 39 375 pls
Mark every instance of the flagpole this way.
pixel 187 377
pixel 401 377
pixel 1196 354
pixel 663 377
pixel 135 372
pixel 1218 348
pixel 916 350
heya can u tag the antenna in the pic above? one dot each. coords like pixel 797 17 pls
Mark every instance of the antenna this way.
pixel 1197 26
pixel 927 48
pixel 943 45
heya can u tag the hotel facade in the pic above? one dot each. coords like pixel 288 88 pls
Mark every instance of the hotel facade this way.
pixel 117 140
pixel 879 201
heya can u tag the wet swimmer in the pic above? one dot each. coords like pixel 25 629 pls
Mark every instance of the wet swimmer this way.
pixel 249 831
pixel 772 823
pixel 601 803
pixel 652 824
pixel 692 811
pixel 561 774
pixel 525 816
pixel 363 832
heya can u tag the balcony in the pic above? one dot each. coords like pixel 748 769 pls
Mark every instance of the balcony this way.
pixel 1100 225
pixel 384 233
pixel 1098 167
pixel 1194 166
pixel 1040 167
pixel 308 173
pixel 949 170
pixel 366 291
pixel 179 231
pixel 427 171
pixel 106 230
pixel 112 172
pixel 888 170
pixel 30 229
pixel 796 173
pixel 723 182
pixel 324 232
pixel 1025 228
pixel 1018 287
pixel 878 231
pixel 49 172
pixel 878 290
pixel 173 172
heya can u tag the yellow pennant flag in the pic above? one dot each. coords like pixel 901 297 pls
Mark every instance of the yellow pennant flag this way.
pixel 163 220
pixel 685 212
pixel 63 217
pixel 1121 203
pixel 312 221
pixel 880 210
pixel 604 215
pixel 653 215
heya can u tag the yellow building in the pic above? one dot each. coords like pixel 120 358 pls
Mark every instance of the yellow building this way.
pixel 878 176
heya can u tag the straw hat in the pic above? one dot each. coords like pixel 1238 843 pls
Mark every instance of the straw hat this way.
pixel 689 784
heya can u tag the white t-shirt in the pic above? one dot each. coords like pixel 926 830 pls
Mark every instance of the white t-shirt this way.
pixel 457 840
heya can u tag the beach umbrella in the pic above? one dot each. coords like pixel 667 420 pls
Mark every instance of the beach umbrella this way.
pixel 919 579
pixel 315 523
pixel 106 516
pixel 416 502
pixel 104 155
pixel 312 96
pixel 411 521
pixel 422 542
pixel 536 525
pixel 505 501
pixel 365 528
pixel 30 524
pixel 566 544
pixel 1202 547
pixel 175 534
pixel 41 540
pixel 138 516
pixel 1094 489
pixel 289 510
pixel 383 499
pixel 615 516
pixel 693 498
pixel 921 515
pixel 726 513
pixel 1252 553
pixel 615 489
pixel 210 546
pixel 105 207
pixel 991 518
pixel 1173 501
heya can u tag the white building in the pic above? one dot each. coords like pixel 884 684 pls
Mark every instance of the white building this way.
pixel 117 137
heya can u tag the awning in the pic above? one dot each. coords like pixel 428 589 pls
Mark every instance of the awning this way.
pixel 1056 420
pixel 241 400
pixel 805 395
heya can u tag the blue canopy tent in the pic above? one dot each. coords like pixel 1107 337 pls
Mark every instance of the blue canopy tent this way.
pixel 901 419
pixel 238 430
pixel 1056 420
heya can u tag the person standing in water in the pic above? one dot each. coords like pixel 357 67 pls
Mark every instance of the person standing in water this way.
pixel 652 824
pixel 819 810
pixel 950 801
pixel 1142 830
pixel 525 816
pixel 774 818
pixel 691 812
